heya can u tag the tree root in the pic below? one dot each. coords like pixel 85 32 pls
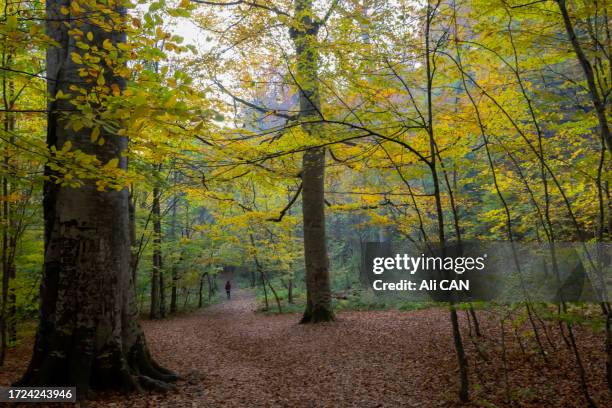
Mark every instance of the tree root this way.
pixel 317 315
pixel 112 369
pixel 152 384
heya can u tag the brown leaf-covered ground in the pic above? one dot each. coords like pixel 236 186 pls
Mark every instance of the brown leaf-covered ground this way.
pixel 230 356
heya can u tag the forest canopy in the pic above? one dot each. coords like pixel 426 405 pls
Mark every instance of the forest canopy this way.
pixel 151 149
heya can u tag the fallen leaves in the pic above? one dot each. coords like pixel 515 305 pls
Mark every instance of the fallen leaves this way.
pixel 232 357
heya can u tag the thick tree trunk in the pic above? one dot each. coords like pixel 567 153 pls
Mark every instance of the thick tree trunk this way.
pixel 88 334
pixel 318 290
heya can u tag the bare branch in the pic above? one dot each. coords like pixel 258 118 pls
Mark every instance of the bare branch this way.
pixel 246 3
pixel 251 105
pixel 288 206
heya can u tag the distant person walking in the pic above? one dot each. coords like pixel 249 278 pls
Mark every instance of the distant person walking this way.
pixel 228 288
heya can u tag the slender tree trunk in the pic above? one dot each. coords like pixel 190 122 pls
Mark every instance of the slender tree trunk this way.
pixel 318 289
pixel 162 293
pixel 459 349
pixel 587 68
pixel 200 290
pixel 173 290
pixel 88 333
pixel 5 273
pixel 132 221
pixel 264 277
pixel 174 277
pixel 263 285
pixel 609 200
pixel 186 298
pixel 4 261
pixel 156 279
pixel 15 230
pixel 7 319
pixel 210 287
pixel 609 350
pixel 12 316
pixel 157 246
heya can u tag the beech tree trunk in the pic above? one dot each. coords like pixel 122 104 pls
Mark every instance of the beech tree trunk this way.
pixel 318 290
pixel 88 334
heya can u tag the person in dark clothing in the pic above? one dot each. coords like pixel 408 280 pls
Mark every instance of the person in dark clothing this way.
pixel 228 288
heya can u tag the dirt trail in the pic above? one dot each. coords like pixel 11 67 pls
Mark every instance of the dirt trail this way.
pixel 232 356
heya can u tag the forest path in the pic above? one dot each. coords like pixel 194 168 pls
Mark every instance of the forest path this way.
pixel 232 356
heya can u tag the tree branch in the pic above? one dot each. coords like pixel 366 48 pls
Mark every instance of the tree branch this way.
pixel 329 12
pixel 288 206
pixel 251 105
pixel 246 3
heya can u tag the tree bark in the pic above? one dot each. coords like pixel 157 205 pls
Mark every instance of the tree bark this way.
pixel 4 318
pixel 88 334
pixel 174 277
pixel 132 220
pixel 156 275
pixel 210 287
pixel 9 238
pixel 318 290
pixel 173 290
pixel 200 290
